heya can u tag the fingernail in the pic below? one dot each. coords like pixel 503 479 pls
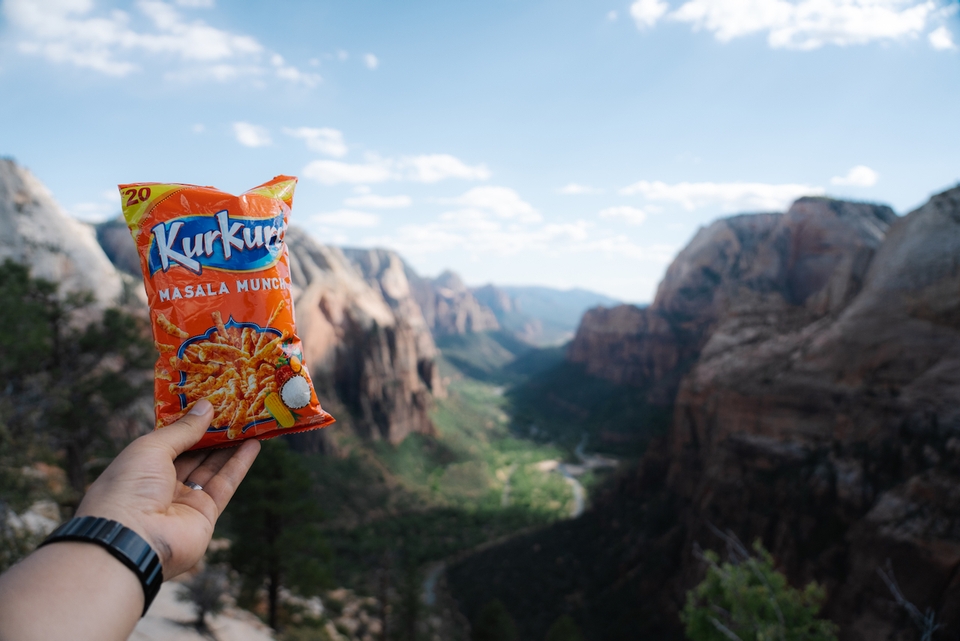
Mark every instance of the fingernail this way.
pixel 201 407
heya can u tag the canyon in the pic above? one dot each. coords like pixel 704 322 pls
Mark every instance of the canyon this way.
pixel 811 364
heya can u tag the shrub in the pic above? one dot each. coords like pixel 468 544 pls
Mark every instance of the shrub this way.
pixel 746 599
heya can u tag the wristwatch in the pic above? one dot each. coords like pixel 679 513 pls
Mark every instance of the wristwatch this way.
pixel 123 543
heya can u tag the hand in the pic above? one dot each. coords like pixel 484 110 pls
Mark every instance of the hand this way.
pixel 143 489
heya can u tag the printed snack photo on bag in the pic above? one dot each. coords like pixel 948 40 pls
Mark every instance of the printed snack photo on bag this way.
pixel 217 276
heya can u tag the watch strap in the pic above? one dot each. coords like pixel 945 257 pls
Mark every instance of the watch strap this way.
pixel 124 544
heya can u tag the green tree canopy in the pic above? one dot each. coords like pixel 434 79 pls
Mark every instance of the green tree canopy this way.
pixel 747 599
pixel 274 518
pixel 66 367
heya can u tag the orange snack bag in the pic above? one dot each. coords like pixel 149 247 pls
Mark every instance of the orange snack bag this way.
pixel 217 276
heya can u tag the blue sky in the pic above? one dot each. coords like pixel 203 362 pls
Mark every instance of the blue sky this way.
pixel 569 144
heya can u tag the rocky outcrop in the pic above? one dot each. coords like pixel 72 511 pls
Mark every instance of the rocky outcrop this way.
pixel 114 237
pixel 449 307
pixel 790 268
pixel 842 413
pixel 376 358
pixel 35 231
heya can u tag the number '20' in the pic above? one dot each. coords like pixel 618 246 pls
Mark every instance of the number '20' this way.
pixel 135 196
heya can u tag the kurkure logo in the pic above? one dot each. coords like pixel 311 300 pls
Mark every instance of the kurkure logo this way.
pixel 217 242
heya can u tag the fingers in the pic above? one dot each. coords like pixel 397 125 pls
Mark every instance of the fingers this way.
pixel 186 432
pixel 209 466
pixel 222 486
pixel 187 462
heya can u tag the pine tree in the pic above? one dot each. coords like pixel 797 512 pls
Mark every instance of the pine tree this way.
pixel 67 370
pixel 274 518
pixel 747 599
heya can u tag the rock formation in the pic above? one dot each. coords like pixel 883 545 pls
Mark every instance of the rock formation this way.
pixel 802 265
pixel 841 411
pixel 449 307
pixel 813 363
pixel 374 354
pixel 35 231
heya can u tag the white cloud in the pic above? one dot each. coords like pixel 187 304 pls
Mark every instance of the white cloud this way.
pixel 196 4
pixel 198 128
pixel 612 15
pixel 646 13
pixel 859 176
pixel 797 24
pixel 428 168
pixel 575 189
pixel 379 202
pixel 500 201
pixel 431 168
pixel 728 196
pixel 941 39
pixel 342 55
pixel 97 211
pixel 250 135
pixel 347 218
pixel 624 246
pixel 629 215
pixel 323 140
pixel 478 235
pixel 334 172
pixel 371 61
pixel 71 32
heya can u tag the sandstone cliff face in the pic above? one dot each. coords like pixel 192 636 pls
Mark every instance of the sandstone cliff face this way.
pixel 809 261
pixel 448 306
pixel 813 362
pixel 35 231
pixel 373 354
pixel 816 362
pixel 855 416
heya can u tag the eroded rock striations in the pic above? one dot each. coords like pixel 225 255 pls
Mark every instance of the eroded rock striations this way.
pixel 449 307
pixel 813 363
pixel 35 231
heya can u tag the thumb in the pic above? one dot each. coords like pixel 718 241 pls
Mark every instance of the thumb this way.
pixel 186 432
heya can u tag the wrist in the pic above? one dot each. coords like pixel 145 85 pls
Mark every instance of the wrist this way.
pixel 119 541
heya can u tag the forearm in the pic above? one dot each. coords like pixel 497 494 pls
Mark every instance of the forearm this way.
pixel 69 590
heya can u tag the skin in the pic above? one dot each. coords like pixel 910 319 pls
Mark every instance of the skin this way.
pixel 78 591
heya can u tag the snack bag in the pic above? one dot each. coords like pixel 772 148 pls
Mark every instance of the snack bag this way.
pixel 217 276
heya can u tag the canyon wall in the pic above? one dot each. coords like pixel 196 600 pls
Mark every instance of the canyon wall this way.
pixel 812 361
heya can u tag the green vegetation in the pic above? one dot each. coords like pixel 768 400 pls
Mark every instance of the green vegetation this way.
pixel 275 519
pixel 746 598
pixel 563 403
pixel 484 356
pixel 67 371
pixel 434 496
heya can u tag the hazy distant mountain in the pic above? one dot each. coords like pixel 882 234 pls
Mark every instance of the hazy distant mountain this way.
pixel 540 315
